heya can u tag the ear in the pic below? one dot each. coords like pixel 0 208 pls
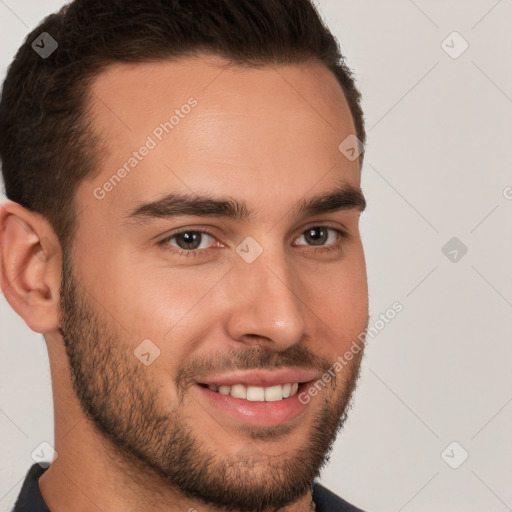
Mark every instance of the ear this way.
pixel 30 266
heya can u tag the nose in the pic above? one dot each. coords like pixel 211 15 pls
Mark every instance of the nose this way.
pixel 266 307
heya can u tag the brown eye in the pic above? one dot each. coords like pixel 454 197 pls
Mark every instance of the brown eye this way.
pixel 189 241
pixel 320 236
pixel 316 236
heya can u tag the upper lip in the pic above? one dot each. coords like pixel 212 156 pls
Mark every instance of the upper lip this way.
pixel 262 378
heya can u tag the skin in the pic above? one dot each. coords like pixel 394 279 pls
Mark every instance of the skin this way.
pixel 265 136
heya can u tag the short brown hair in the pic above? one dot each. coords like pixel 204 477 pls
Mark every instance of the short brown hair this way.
pixel 46 138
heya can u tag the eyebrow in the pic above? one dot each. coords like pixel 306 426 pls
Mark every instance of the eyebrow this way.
pixel 176 204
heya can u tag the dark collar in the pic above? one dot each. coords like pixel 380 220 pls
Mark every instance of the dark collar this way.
pixel 30 499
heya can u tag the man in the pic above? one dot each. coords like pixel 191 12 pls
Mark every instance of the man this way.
pixel 184 197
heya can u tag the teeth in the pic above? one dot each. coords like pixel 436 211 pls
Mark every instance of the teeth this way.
pixel 238 391
pixel 258 393
pixel 255 394
pixel 274 393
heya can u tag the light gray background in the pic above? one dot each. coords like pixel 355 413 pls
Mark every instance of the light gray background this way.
pixel 437 166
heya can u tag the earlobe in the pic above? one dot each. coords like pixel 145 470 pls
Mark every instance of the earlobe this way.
pixel 30 266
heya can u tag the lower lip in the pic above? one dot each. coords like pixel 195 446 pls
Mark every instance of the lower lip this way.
pixel 257 413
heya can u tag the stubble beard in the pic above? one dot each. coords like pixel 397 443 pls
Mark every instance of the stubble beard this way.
pixel 119 396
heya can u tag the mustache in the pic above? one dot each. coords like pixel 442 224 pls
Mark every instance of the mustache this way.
pixel 251 358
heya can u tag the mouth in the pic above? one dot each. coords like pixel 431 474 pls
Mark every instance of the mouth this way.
pixel 261 398
pixel 257 393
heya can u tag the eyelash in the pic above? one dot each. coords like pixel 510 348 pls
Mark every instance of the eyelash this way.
pixel 343 236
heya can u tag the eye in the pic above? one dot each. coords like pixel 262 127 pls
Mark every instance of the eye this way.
pixel 321 236
pixel 189 242
pixel 199 242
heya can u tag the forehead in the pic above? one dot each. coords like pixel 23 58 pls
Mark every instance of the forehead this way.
pixel 215 127
pixel 141 88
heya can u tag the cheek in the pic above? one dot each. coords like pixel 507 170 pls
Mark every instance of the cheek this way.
pixel 164 305
pixel 338 295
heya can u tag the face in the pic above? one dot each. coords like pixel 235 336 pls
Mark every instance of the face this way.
pixel 219 278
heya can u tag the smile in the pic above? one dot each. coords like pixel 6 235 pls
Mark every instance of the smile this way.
pixel 258 393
